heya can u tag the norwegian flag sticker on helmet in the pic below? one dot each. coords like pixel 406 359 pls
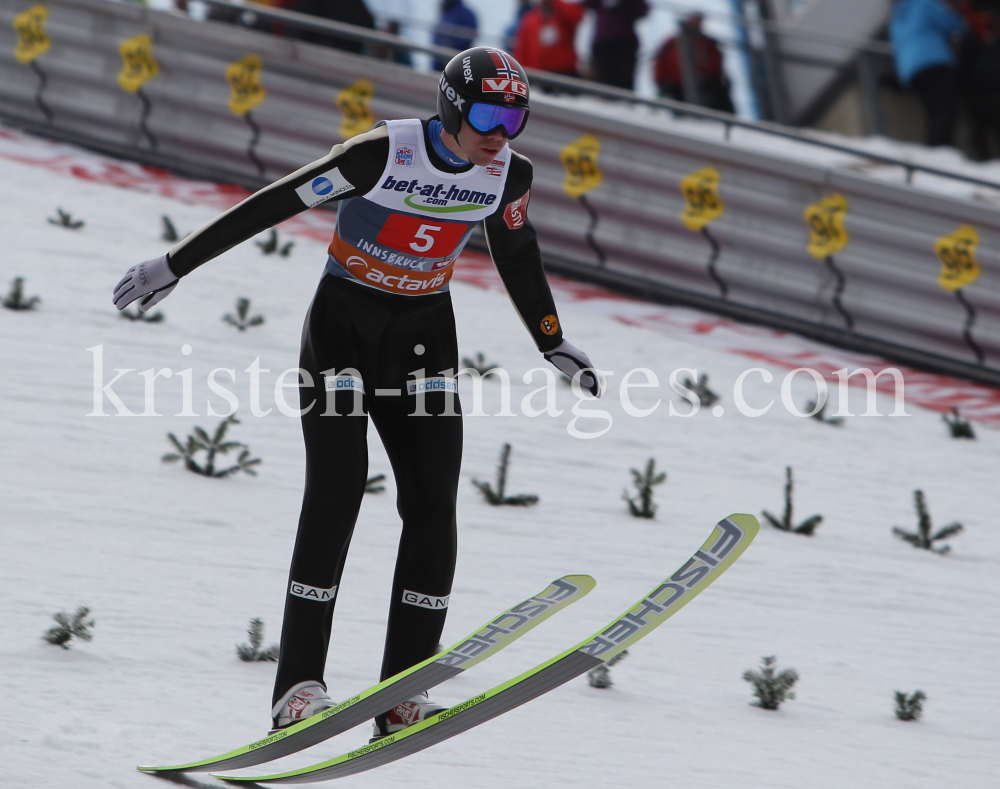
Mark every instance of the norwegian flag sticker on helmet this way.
pixel 504 69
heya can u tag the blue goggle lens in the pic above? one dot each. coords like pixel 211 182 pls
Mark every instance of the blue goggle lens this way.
pixel 486 117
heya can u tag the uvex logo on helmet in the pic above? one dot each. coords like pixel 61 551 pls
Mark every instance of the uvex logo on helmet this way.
pixel 451 93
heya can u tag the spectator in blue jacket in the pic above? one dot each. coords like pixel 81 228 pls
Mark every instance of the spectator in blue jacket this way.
pixel 923 33
pixel 454 14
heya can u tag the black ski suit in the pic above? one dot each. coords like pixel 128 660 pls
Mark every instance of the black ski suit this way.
pixel 380 326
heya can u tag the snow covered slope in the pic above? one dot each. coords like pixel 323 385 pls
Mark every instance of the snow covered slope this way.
pixel 174 565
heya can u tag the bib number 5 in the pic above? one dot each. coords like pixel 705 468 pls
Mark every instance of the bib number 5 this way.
pixel 422 234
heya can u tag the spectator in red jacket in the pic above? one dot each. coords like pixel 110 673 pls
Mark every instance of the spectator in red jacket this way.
pixel 546 35
pixel 711 80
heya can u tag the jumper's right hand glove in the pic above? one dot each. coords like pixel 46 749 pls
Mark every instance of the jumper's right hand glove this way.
pixel 151 281
pixel 569 359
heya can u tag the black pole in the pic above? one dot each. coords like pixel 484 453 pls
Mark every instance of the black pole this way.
pixel 601 257
pixel 43 81
pixel 253 144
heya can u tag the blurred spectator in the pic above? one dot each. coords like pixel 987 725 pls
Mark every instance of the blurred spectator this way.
pixel 352 12
pixel 615 42
pixel 980 77
pixel 712 83
pixel 400 56
pixel 454 14
pixel 922 32
pixel 510 34
pixel 545 39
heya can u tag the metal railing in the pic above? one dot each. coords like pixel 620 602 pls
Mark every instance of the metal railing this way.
pixel 572 85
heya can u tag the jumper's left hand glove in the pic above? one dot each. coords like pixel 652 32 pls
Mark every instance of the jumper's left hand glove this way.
pixel 151 281
pixel 569 359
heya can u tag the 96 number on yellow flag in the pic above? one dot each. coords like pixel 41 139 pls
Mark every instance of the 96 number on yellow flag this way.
pixel 354 103
pixel 701 196
pixel 138 64
pixel 32 40
pixel 826 226
pixel 244 80
pixel 579 158
pixel 957 253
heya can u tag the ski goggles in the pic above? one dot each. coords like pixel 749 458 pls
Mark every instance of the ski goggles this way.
pixel 485 118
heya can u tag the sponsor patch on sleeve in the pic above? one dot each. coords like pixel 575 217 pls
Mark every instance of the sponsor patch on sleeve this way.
pixel 436 384
pixel 323 187
pixel 517 211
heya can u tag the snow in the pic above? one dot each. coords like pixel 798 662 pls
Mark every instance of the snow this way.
pixel 173 565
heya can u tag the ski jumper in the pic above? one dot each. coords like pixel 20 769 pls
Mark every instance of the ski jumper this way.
pixel 379 343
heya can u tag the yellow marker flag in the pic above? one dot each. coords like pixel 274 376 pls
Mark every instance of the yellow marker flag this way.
pixel 138 64
pixel 957 252
pixel 826 226
pixel 244 79
pixel 701 195
pixel 32 40
pixel 354 103
pixel 583 173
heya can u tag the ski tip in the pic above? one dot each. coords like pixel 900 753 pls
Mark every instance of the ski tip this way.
pixel 746 522
pixel 585 582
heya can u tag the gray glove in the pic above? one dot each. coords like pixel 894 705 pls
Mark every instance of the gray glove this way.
pixel 151 281
pixel 569 359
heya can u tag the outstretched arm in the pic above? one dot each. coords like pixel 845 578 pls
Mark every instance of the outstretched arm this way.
pixel 350 169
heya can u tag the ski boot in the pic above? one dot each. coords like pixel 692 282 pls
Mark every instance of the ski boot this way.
pixel 300 702
pixel 404 714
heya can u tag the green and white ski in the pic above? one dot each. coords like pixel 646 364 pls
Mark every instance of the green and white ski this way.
pixel 499 632
pixel 728 540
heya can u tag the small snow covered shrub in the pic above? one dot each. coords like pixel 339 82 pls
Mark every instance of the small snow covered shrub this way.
pixel 807 527
pixel 214 445
pixel 65 219
pixel 241 320
pixel 68 627
pixel 169 231
pixel 15 300
pixel 142 317
pixel 479 364
pixel 499 496
pixel 820 415
pixel 922 538
pixel 706 396
pixel 959 427
pixel 642 505
pixel 771 687
pixel 252 652
pixel 910 708
pixel 273 245
pixel 600 677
